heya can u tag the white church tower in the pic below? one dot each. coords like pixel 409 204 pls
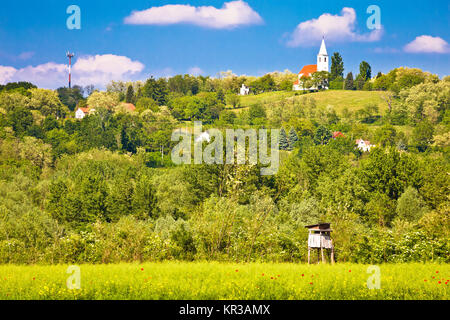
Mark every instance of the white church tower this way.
pixel 322 58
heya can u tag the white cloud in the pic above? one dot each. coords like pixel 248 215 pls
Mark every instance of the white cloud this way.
pixel 427 44
pixel 6 74
pixel 97 70
pixel 195 71
pixel 101 69
pixel 338 28
pixel 231 15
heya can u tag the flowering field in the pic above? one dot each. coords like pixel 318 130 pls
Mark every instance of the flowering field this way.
pixel 174 280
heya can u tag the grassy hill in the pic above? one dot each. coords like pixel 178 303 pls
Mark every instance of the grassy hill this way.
pixel 339 99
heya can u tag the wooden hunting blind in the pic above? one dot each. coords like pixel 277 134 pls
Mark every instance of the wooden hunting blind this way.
pixel 320 238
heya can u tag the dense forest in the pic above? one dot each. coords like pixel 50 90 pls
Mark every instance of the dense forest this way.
pixel 103 189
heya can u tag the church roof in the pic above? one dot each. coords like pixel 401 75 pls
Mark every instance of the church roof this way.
pixel 323 48
pixel 308 70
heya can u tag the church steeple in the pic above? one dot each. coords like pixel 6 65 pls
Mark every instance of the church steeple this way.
pixel 322 58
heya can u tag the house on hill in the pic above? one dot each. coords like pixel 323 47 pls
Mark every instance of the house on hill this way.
pixel 308 70
pixel 81 113
pixel 337 134
pixel 244 91
pixel 364 145
pixel 127 106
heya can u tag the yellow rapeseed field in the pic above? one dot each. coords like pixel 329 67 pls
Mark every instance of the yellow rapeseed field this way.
pixel 213 280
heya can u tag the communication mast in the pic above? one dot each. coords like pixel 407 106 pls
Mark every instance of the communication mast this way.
pixel 70 56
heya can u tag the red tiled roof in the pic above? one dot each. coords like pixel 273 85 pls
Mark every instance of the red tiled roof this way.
pixel 129 106
pixel 338 134
pixel 85 110
pixel 308 70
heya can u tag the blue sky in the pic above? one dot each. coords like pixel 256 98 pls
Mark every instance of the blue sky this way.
pixel 252 37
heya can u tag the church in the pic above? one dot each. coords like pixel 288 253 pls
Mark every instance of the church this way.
pixel 307 71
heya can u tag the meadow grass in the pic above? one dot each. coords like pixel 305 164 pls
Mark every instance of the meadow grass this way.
pixel 212 280
pixel 340 99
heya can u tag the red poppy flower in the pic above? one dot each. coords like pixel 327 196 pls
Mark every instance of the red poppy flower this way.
pixel 34 278
pixel 142 269
pixel 439 282
pixel 310 283
pixel 425 280
pixel 437 271
pixel 278 275
pixel 349 270
pixel 303 275
pixel 237 270
pixel 262 274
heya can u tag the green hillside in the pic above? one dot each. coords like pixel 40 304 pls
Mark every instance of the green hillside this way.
pixel 339 99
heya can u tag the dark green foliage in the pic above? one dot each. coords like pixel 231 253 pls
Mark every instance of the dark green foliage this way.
pixel 20 119
pixel 17 85
pixel 422 135
pixel 293 138
pixel 337 66
pixel 130 97
pixel 348 84
pixel 365 71
pixel 284 143
pixel 70 97
pixel 337 83
pixel 157 90
pixel 104 189
pixel 263 84
pixel 322 135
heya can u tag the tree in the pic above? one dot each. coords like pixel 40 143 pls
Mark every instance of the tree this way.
pixel 257 111
pixel 130 95
pixel 286 85
pixel 221 95
pixel 337 83
pixel 320 79
pixel 156 89
pixel 107 100
pixel 20 120
pixel 233 100
pixel 145 103
pixel 89 89
pixel 284 143
pixel 359 82
pixel 70 97
pixel 293 138
pixel 337 66
pixel 348 84
pixel 322 136
pixel 410 205
pixel 47 102
pixel 422 135
pixel 365 71
pixel 386 135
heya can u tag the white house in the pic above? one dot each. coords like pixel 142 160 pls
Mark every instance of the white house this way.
pixel 307 71
pixel 364 145
pixel 204 136
pixel 81 113
pixel 244 90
